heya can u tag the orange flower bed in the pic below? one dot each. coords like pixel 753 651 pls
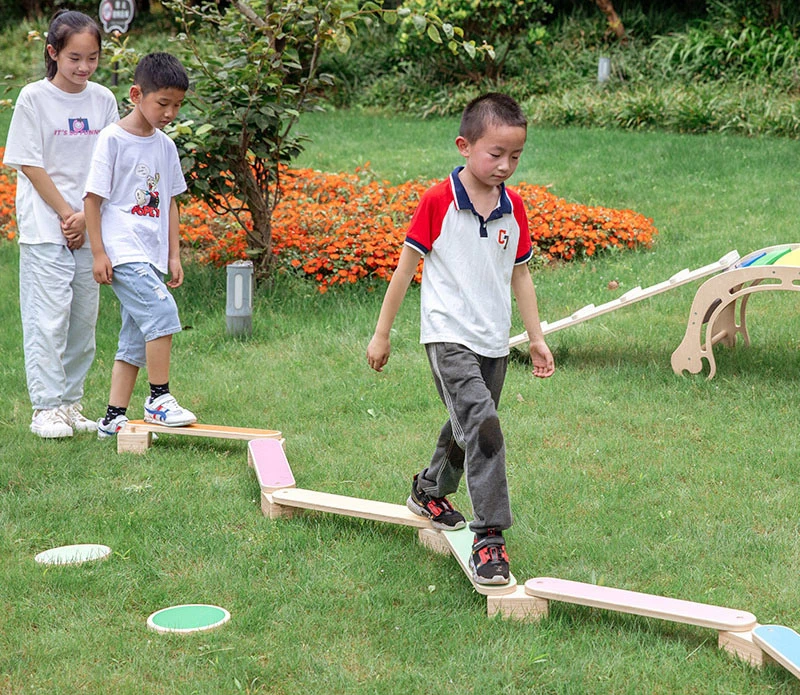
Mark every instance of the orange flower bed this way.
pixel 337 229
pixel 8 189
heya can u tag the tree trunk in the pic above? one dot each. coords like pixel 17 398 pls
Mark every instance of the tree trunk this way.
pixel 614 22
pixel 775 10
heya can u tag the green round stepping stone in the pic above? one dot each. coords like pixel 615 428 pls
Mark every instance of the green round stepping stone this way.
pixel 191 617
pixel 73 554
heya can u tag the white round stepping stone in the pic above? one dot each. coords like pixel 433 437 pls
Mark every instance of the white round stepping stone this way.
pixel 190 617
pixel 73 554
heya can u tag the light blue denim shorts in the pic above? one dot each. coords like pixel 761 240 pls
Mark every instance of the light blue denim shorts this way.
pixel 148 310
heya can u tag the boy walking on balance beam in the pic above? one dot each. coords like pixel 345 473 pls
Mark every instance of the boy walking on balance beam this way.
pixel 473 233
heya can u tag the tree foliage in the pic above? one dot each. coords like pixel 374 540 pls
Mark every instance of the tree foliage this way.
pixel 500 23
pixel 255 69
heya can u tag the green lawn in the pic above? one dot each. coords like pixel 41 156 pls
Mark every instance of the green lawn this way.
pixel 621 472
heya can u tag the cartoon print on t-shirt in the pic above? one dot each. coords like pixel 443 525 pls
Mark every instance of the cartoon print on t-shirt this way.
pixel 146 198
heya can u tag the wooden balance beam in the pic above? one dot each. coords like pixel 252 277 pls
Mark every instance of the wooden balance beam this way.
pixel 137 435
pixel 280 498
pixel 734 626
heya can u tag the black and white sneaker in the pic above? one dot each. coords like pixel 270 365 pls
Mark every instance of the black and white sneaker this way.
pixel 489 559
pixel 442 514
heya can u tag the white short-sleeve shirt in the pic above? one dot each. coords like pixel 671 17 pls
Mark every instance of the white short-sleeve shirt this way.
pixel 137 177
pixel 57 131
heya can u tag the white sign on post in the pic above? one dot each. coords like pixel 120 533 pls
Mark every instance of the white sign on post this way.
pixel 116 15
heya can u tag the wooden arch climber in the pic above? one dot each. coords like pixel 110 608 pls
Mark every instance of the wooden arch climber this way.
pixel 714 316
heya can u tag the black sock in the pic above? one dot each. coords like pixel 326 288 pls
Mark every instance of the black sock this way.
pixel 157 390
pixel 113 411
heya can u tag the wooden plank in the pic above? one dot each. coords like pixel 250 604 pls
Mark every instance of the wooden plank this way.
pixel 349 506
pixel 197 430
pixel 648 605
pixel 268 459
pixel 632 296
pixel 782 644
pixel 460 543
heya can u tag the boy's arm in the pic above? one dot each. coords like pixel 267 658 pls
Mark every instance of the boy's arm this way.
pixel 174 261
pixel 379 347
pixel 71 221
pixel 101 267
pixel 524 291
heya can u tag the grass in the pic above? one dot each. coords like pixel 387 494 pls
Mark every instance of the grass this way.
pixel 621 472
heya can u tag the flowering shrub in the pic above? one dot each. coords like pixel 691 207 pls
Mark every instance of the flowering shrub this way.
pixel 337 229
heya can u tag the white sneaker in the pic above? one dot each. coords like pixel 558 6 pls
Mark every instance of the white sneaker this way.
pixel 110 430
pixel 165 410
pixel 50 424
pixel 75 418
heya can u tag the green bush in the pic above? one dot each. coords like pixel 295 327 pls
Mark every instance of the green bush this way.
pixel 753 53
pixel 698 108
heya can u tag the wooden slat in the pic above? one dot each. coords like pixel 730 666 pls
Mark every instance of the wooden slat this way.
pixel 782 644
pixel 349 506
pixel 637 294
pixel 648 605
pixel 460 543
pixel 197 430
pixel 268 459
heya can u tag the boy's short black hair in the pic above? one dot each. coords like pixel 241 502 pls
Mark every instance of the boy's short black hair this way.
pixel 160 71
pixel 490 109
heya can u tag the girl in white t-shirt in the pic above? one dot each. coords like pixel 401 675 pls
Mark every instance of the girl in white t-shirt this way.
pixel 51 137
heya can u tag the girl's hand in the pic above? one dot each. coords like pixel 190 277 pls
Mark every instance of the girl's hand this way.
pixel 73 228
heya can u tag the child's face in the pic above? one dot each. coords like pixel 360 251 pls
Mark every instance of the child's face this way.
pixel 493 157
pixel 76 61
pixel 158 108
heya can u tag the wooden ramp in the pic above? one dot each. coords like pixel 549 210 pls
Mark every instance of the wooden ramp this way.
pixel 137 435
pixel 632 296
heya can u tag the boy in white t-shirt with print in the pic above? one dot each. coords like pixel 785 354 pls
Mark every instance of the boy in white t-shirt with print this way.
pixel 473 233
pixel 132 220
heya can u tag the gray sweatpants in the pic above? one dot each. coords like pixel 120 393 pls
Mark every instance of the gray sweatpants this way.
pixel 471 440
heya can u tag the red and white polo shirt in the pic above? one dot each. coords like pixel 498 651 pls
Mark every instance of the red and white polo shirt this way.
pixel 466 277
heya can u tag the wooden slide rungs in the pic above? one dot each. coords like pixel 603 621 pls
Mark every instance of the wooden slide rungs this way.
pixel 348 506
pixel 647 605
pixel 591 311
